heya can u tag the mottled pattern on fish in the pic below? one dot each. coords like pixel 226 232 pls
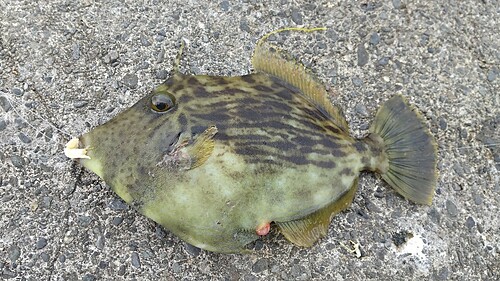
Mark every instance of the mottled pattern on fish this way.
pixel 236 153
pixel 286 147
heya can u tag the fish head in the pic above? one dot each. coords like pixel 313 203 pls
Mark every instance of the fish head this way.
pixel 137 139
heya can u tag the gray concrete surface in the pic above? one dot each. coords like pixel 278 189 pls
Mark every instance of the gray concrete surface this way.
pixel 72 65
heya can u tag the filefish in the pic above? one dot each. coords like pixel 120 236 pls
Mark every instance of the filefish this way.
pixel 218 161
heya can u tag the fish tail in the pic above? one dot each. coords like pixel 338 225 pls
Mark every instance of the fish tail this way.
pixel 407 148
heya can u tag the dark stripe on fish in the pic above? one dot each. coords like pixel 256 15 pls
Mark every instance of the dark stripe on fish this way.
pixel 183 120
pixel 248 78
pixel 263 89
pixel 229 91
pixel 294 159
pixel 278 106
pixel 201 92
pixel 214 117
pixel 333 129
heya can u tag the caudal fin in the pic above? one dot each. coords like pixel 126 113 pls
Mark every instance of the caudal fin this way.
pixel 409 148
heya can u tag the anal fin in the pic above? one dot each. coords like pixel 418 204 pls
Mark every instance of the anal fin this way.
pixel 306 231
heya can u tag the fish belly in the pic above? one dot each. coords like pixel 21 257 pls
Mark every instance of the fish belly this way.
pixel 219 205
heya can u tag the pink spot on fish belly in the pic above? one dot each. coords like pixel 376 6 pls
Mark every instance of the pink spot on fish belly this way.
pixel 263 229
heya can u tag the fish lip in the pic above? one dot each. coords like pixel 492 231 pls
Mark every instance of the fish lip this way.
pixel 74 150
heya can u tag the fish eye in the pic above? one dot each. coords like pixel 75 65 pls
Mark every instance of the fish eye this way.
pixel 162 102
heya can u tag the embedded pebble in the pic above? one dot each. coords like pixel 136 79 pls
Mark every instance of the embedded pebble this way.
pixel 361 110
pixel 3 125
pixel 121 270
pixel 159 232
pixel 6 198
pixel 224 6
pixel 299 272
pixel 470 223
pixel 296 16
pixel 459 169
pixel 368 6
pixel 7 273
pixel 84 220
pixel 330 33
pixel 100 242
pixel 362 55
pixel 130 80
pixel 111 57
pixel 371 206
pixel 48 133
pixel 143 65
pixel 41 243
pixel 357 81
pixel 24 138
pixel 432 50
pixel 17 92
pixel 162 32
pixel 118 205
pixel 192 250
pixel 256 245
pixel 161 74
pixel 144 40
pixel 396 4
pixel 309 6
pixel 14 253
pixel 46 201
pixel 44 256
pixel 374 38
pixel 80 103
pixel 383 61
pixel 89 277
pixel 478 199
pixel 117 220
pixel 441 274
pixel 160 57
pixel 20 124
pixel 103 264
pixel 5 104
pixel 260 265
pixel 75 52
pixel 135 260
pixel 492 75
pixel 17 161
pixel 176 267
pixel 244 25
pixel 451 208
pixel 443 125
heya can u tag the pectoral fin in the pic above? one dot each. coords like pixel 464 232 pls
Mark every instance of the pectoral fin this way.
pixel 306 231
pixel 202 147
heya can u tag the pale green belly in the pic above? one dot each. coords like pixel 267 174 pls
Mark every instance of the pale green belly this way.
pixel 219 204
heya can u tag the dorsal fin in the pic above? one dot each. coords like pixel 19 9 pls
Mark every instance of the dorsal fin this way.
pixel 178 57
pixel 270 59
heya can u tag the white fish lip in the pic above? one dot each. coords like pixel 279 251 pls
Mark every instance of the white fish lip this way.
pixel 73 151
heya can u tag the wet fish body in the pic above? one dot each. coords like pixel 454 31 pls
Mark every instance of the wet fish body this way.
pixel 215 160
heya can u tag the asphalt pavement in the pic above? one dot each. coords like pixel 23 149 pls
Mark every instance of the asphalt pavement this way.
pixel 67 66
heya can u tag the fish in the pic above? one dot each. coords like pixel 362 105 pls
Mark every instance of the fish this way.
pixel 219 160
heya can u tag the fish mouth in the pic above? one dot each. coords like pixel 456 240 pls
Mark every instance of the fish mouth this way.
pixel 78 150
pixel 72 150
